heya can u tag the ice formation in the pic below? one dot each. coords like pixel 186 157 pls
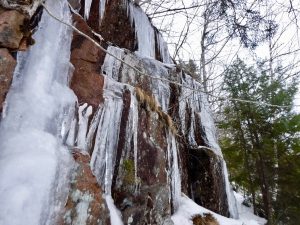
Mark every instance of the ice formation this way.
pixel 87 8
pixel 40 120
pixel 232 204
pixel 197 102
pixel 194 100
pixel 174 170
pixel 148 38
pixel 34 163
pixel 84 113
pixel 160 88
pixel 104 153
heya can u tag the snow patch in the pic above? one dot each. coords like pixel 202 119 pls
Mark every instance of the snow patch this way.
pixel 188 208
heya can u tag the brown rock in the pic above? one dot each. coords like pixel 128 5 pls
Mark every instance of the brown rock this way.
pixel 86 81
pixel 85 194
pixel 11 22
pixel 7 66
pixel 116 26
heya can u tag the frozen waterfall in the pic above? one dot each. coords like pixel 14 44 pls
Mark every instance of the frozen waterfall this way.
pixel 34 163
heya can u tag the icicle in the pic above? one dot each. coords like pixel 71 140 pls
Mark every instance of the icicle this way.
pixel 71 136
pixel 163 49
pixel 33 162
pixel 111 66
pixel 84 112
pixel 115 214
pixel 103 158
pixel 232 205
pixel 101 8
pixel 174 170
pixel 135 117
pixel 104 153
pixel 144 31
pixel 87 8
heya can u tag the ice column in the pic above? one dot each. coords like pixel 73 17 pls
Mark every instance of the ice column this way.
pixel 103 158
pixel 174 170
pixel 232 205
pixel 33 161
pixel 84 113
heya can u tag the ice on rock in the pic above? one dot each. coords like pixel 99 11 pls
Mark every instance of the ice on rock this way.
pixel 84 200
pixel 198 104
pixel 111 66
pixel 160 88
pixel 84 112
pixel 107 136
pixel 115 214
pixel 174 172
pixel 148 38
pixel 87 8
pixel 163 49
pixel 105 127
pixel 108 119
pixel 144 31
pixel 34 163
pixel 232 204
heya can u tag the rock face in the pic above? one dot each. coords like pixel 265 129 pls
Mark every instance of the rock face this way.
pixel 87 82
pixel 7 66
pixel 141 166
pixel 205 169
pixel 140 135
pixel 15 34
pixel 11 34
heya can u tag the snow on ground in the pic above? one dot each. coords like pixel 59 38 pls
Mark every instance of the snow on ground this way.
pixel 246 213
pixel 188 208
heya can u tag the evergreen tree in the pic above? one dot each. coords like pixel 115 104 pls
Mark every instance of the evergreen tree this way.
pixel 261 143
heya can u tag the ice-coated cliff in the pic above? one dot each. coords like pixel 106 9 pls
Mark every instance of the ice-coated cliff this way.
pixel 88 139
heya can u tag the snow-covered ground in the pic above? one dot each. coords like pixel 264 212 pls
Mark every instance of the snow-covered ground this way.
pixel 188 208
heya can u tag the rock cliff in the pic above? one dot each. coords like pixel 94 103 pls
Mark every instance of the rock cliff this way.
pixel 134 131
